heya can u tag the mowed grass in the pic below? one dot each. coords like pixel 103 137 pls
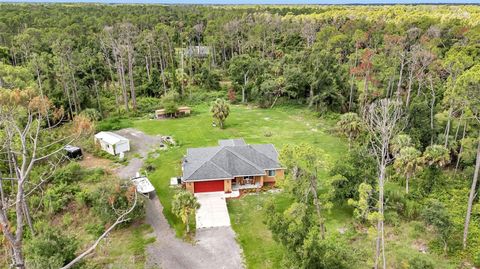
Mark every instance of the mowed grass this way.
pixel 279 126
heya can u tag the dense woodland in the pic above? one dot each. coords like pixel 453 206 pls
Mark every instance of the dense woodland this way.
pixel 402 81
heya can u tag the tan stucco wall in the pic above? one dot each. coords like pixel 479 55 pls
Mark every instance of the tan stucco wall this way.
pixel 190 187
pixel 227 183
pixel 279 174
pixel 259 180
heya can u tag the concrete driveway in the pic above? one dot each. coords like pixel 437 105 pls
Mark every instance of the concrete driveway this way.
pixel 213 210
pixel 215 248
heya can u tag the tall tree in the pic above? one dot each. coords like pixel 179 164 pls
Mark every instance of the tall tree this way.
pixel 23 141
pixel 184 205
pixel 382 120
pixel 220 111
pixel 408 162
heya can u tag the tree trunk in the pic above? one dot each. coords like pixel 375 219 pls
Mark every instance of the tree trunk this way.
pixel 406 183
pixel 95 86
pixel 471 197
pixel 130 77
pixel 400 78
pixel 18 256
pixel 148 69
pixel 432 108
pixel 409 90
pixel 313 187
pixel 121 77
pixel 447 128
pixel 461 147
pixel 311 93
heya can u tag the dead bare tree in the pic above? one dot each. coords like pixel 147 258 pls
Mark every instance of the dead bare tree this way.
pixel 382 120
pixel 121 218
pixel 22 119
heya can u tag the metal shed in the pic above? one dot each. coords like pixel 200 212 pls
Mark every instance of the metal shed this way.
pixel 112 142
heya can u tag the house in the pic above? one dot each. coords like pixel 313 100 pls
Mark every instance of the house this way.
pixel 232 165
pixel 112 143
pixel 196 51
pixel 181 111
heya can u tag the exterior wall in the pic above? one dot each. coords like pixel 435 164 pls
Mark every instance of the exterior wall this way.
pixel 227 183
pixel 106 147
pixel 190 187
pixel 259 180
pixel 279 174
pixel 122 147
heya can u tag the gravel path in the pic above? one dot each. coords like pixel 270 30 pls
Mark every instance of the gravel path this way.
pixel 141 144
pixel 216 248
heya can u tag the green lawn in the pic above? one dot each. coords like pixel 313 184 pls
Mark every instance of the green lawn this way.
pixel 279 126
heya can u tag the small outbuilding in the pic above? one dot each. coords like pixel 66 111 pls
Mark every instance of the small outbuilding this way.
pixel 73 152
pixel 181 112
pixel 112 143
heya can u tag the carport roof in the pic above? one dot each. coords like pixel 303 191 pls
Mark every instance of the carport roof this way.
pixel 110 138
pixel 232 158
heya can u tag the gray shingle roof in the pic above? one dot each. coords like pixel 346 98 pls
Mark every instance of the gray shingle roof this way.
pixel 232 158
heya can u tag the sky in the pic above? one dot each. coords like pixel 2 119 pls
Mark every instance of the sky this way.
pixel 257 1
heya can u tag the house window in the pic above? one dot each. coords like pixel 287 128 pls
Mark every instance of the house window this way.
pixel 271 173
pixel 248 179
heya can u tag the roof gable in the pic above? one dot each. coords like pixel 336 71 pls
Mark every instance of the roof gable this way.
pixel 232 158
pixel 234 164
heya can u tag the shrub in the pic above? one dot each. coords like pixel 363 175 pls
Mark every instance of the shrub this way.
pixel 476 259
pixel 147 104
pixel 58 196
pixel 113 123
pixel 350 172
pixel 420 263
pixel 91 113
pixel 70 173
pixel 95 229
pixel 200 97
pixel 50 248
pixel 94 175
pixel 170 102
pixel 104 198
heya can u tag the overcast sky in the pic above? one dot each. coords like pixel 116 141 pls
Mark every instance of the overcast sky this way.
pixel 260 1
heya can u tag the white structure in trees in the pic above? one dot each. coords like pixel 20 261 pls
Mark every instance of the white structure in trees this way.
pixel 112 143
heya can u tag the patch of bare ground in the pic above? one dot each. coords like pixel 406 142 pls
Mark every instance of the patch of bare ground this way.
pixel 89 161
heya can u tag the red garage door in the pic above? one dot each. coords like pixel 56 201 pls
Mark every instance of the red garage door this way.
pixel 208 186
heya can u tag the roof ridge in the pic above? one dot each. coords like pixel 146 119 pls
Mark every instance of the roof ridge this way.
pixel 207 160
pixel 244 159
pixel 264 153
pixel 220 168
pixel 205 163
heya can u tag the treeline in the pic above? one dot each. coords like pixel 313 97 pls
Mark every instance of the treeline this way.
pixel 406 73
pixel 330 58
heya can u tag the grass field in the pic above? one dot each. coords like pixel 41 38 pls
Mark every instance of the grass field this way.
pixel 279 126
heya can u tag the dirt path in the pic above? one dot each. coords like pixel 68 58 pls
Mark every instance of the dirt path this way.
pixel 215 248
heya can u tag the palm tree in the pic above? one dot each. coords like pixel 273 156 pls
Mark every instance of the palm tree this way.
pixel 184 204
pixel 399 142
pixel 436 155
pixel 408 163
pixel 220 110
pixel 350 125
